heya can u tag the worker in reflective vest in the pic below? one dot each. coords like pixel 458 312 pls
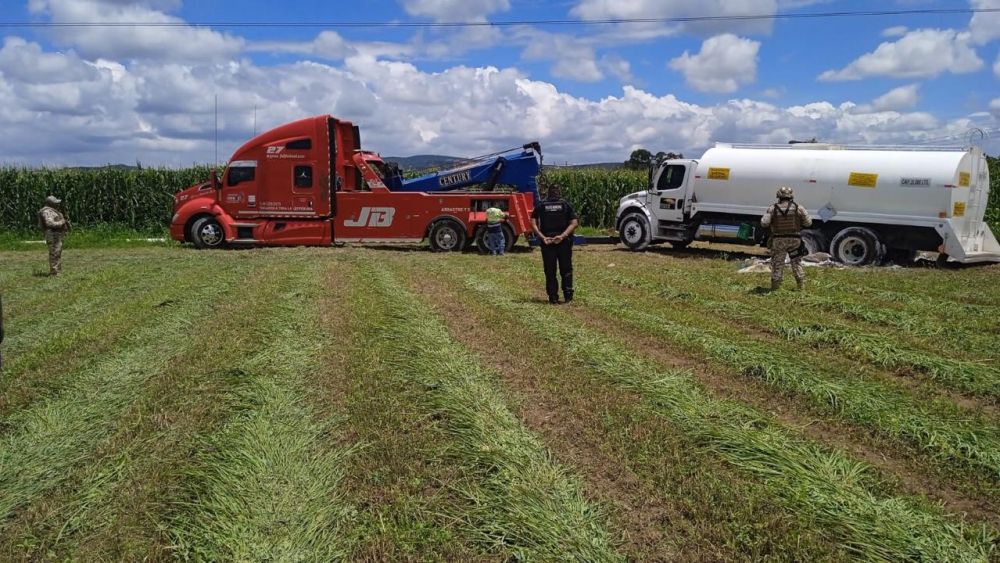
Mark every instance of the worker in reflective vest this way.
pixel 553 222
pixel 496 242
pixel 786 220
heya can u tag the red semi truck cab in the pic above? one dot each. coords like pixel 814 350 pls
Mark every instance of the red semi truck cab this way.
pixel 309 183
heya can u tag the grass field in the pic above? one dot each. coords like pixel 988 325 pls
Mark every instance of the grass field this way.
pixel 158 402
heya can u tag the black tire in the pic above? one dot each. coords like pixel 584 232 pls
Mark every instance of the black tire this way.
pixel 857 246
pixel 508 238
pixel 901 256
pixel 634 231
pixel 447 235
pixel 206 233
pixel 814 241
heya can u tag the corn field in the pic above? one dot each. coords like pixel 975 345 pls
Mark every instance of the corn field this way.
pixel 595 192
pixel 142 199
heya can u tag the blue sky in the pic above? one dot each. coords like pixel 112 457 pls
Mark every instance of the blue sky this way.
pixel 92 95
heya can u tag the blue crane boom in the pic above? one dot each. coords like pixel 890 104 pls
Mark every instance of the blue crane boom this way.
pixel 517 168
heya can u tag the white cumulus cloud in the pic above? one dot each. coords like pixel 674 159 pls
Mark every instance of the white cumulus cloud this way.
pixel 985 26
pixel 724 63
pixel 634 9
pixel 174 42
pixel 904 97
pixel 918 54
pixel 86 111
pixel 895 31
pixel 455 10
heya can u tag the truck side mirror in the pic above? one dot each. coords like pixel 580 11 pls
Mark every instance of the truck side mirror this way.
pixel 214 178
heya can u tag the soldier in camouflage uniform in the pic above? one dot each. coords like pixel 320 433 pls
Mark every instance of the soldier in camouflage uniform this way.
pixel 786 219
pixel 55 225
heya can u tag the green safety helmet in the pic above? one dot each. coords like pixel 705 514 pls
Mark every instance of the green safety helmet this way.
pixel 784 192
pixel 53 200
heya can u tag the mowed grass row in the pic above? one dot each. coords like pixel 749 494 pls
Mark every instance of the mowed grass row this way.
pixel 962 293
pixel 671 498
pixel 940 430
pixel 113 503
pixel 837 493
pixel 218 456
pixel 947 328
pixel 880 348
pixel 52 332
pixel 265 485
pixel 510 498
pixel 44 441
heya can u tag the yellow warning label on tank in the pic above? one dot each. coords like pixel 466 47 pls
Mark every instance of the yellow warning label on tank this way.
pixel 964 179
pixel 959 209
pixel 862 180
pixel 718 173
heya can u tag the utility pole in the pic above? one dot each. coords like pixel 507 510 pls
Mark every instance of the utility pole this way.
pixel 216 130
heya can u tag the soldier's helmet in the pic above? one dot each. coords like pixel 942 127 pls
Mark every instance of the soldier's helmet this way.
pixel 52 200
pixel 784 192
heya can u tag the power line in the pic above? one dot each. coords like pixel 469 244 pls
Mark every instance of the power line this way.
pixel 509 23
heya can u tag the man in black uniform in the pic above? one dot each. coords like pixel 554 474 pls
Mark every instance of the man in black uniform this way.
pixel 553 222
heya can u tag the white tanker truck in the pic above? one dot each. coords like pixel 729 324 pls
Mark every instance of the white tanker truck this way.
pixel 867 203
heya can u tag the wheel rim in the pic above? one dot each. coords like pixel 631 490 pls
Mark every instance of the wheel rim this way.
pixel 853 250
pixel 210 234
pixel 632 232
pixel 446 238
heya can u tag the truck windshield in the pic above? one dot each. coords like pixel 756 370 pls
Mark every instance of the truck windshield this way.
pixel 378 167
pixel 671 177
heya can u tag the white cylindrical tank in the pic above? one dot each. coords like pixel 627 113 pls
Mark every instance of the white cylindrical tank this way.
pixel 895 186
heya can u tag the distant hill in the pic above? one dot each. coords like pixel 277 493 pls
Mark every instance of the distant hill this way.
pixel 106 166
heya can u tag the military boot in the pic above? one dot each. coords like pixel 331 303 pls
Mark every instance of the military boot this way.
pixel 800 284
pixel 775 285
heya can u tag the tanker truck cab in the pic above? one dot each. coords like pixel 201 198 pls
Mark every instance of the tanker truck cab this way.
pixel 658 214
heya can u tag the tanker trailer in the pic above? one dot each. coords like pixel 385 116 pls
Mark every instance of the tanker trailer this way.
pixel 867 203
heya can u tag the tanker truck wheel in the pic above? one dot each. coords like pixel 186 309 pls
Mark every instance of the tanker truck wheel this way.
pixel 207 233
pixel 634 231
pixel 447 236
pixel 857 246
pixel 814 241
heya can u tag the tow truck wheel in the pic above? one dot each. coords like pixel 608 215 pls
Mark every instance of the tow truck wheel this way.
pixel 634 231
pixel 447 236
pixel 207 233
pixel 509 239
pixel 857 246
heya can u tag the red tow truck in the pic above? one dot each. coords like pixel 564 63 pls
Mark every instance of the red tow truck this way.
pixel 309 183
